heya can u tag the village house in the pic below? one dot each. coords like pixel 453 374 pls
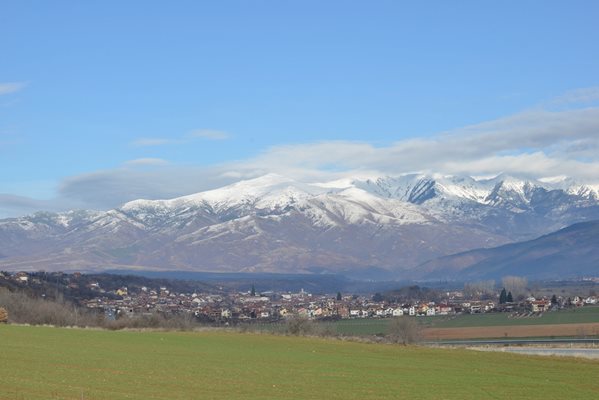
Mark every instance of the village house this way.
pixel 443 309
pixel 22 277
pixel 539 306
pixel 397 312
pixel 475 308
pixel 284 312
pixel 591 300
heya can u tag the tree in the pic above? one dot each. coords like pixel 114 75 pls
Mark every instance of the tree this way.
pixel 515 284
pixel 377 297
pixel 253 292
pixel 479 289
pixel 338 295
pixel 554 299
pixel 503 297
pixel 3 315
pixel 404 330
pixel 509 298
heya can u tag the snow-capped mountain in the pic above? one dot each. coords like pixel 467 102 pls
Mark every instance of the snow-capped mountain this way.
pixel 276 224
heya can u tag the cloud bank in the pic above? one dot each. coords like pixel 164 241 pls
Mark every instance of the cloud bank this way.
pixel 535 144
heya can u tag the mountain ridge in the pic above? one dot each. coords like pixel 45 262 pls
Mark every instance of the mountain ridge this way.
pixel 571 252
pixel 278 224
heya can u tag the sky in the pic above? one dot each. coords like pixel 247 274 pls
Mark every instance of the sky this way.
pixel 106 102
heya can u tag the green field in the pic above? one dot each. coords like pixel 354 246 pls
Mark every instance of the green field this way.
pixel 379 326
pixel 55 363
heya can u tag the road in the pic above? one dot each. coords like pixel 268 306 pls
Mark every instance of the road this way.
pixel 517 342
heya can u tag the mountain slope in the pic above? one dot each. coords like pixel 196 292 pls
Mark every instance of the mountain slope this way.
pixel 569 252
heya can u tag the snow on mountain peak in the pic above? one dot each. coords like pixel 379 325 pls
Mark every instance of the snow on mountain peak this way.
pixel 267 191
pixel 439 194
pixel 273 220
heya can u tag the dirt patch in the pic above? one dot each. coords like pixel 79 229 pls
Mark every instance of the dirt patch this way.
pixel 518 331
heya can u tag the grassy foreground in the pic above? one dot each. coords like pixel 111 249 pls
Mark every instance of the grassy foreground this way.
pixel 54 363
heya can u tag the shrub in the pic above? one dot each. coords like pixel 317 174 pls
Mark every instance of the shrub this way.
pixel 404 330
pixel 3 315
pixel 298 326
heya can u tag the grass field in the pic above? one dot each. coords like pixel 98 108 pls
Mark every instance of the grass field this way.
pixel 54 363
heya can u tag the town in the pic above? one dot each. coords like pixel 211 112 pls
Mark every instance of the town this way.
pixel 130 297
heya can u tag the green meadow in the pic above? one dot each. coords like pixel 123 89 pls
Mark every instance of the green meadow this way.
pixel 56 363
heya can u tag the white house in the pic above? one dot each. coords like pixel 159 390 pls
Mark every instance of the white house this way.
pixel 398 312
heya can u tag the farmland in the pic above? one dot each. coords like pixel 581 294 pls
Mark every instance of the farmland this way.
pixel 584 315
pixel 513 331
pixel 587 314
pixel 55 363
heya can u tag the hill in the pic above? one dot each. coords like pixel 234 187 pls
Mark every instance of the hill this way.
pixel 571 252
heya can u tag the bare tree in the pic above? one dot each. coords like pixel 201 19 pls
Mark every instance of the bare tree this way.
pixel 404 330
pixel 479 289
pixel 297 325
pixel 515 284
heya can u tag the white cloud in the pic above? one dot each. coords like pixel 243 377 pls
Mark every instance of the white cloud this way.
pixel 536 142
pixel 143 142
pixel 11 87
pixel 143 162
pixel 583 95
pixel 209 134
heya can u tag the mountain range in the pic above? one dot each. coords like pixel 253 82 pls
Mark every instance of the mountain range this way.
pixel 378 227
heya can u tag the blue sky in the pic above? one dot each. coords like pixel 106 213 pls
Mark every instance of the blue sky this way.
pixel 108 101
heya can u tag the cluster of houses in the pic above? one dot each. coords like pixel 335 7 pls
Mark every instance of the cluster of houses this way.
pixel 274 306
pixel 271 305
